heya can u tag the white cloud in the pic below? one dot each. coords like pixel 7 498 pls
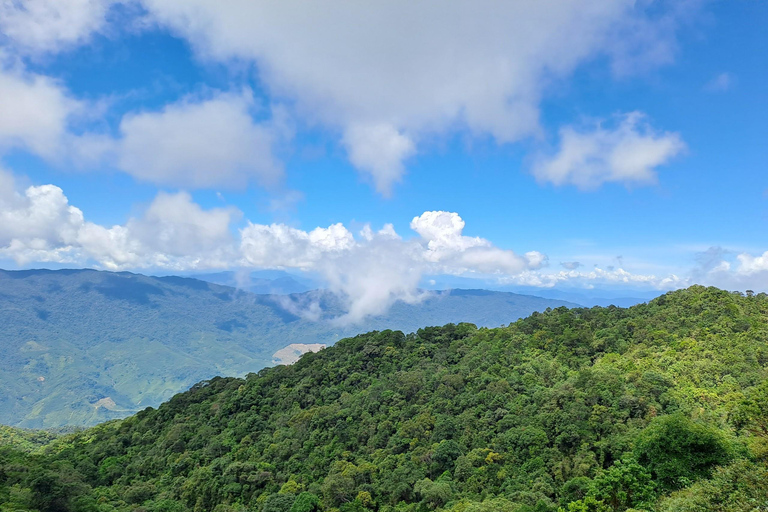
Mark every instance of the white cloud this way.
pixel 177 226
pixel 744 272
pixel 378 150
pixel 597 276
pixel 374 275
pixel 451 252
pixel 36 26
pixel 194 143
pixel 199 144
pixel 730 269
pixel 385 74
pixel 35 112
pixel 628 154
pixel 278 245
pixel 39 225
pixel 749 264
pixel 373 271
pixel 368 272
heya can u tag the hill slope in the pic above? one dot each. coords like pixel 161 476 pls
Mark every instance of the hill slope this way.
pixel 663 406
pixel 80 346
pixel 266 282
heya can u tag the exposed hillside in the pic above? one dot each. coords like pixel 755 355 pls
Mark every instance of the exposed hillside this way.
pixel 663 406
pixel 80 346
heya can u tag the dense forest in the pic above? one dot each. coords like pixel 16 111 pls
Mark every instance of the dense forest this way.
pixel 662 406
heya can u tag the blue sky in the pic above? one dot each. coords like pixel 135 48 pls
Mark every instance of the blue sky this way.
pixel 558 144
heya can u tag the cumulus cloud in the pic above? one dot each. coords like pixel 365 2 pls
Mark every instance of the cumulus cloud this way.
pixel 744 271
pixel 279 245
pixel 449 251
pixel 176 226
pixel 205 140
pixel 749 264
pixel 35 111
pixel 610 276
pixel 375 274
pixel 36 26
pixel 386 74
pixel 39 225
pixel 372 271
pixel 628 154
pixel 730 269
pixel 378 150
pixel 368 272
pixel 199 144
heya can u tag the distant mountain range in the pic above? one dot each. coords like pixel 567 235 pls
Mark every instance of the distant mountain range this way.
pixel 79 347
pixel 264 282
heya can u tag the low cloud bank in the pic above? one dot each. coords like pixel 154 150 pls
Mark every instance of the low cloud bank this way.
pixel 367 271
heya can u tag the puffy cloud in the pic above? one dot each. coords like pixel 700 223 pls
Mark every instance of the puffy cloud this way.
pixel 373 271
pixel 378 150
pixel 35 26
pixel 731 270
pixel 278 245
pixel 629 154
pixel 744 272
pixel 375 274
pixel 199 144
pixel 597 276
pixel 174 233
pixel 386 74
pixel 38 225
pixel 194 143
pixel 749 264
pixel 35 111
pixel 452 252
pixel 179 229
pixel 368 272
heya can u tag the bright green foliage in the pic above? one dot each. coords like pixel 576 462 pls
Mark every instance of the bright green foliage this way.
pixel 588 504
pixel 306 502
pixel 25 440
pixel 678 451
pixel 752 416
pixel 624 485
pixel 596 410
pixel 739 487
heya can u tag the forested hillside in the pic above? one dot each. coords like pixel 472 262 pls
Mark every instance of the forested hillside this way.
pixel 663 406
pixel 79 347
